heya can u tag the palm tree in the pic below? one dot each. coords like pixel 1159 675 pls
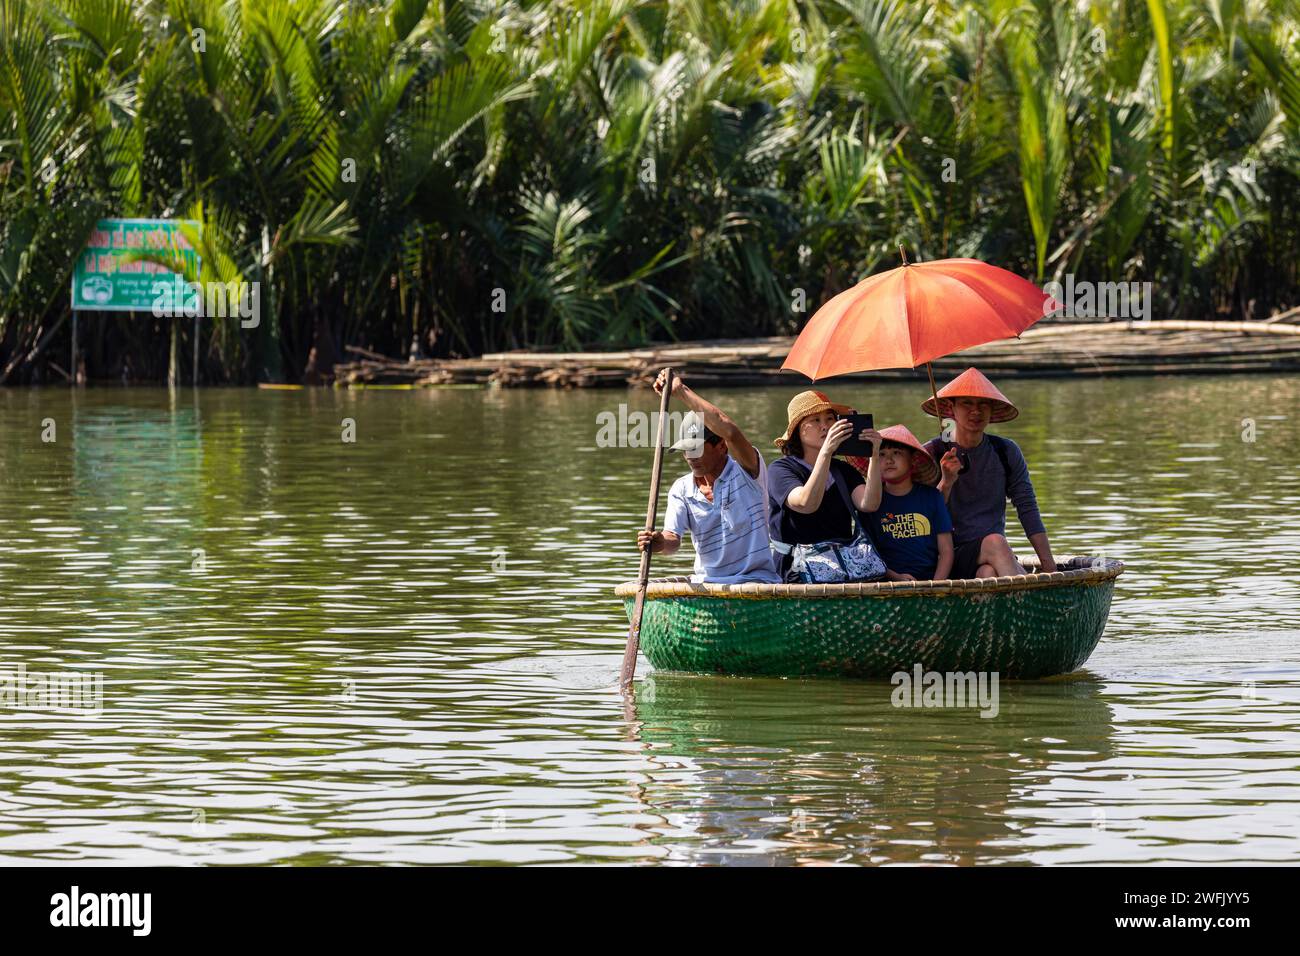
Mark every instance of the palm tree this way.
pixel 449 177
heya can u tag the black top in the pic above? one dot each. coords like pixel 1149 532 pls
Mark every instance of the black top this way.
pixel 831 521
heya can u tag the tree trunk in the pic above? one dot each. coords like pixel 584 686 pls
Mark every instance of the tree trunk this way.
pixel 321 360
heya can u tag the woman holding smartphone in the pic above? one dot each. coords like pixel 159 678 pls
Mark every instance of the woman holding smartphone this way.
pixel 811 491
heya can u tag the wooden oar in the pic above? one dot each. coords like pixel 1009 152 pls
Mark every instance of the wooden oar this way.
pixel 634 629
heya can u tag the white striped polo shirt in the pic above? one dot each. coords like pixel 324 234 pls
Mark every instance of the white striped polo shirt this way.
pixel 730 532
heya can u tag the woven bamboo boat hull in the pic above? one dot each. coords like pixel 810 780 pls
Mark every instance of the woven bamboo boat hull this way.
pixel 1029 626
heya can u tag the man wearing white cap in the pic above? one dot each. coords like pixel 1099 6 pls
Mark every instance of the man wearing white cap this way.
pixel 722 502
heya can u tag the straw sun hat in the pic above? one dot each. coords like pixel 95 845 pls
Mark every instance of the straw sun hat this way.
pixel 801 406
pixel 971 383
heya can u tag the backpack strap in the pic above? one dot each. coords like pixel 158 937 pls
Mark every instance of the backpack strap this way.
pixel 1000 446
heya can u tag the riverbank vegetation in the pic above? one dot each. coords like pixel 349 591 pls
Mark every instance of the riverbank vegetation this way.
pixel 438 177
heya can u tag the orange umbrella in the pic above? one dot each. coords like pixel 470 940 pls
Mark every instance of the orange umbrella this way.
pixel 914 314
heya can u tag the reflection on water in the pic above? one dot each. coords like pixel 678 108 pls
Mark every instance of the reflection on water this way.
pixel 403 649
pixel 747 763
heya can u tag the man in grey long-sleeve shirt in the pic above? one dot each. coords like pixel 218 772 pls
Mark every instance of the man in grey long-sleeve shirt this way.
pixel 980 472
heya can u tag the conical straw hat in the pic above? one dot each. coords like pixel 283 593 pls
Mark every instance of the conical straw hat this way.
pixel 971 383
pixel 924 468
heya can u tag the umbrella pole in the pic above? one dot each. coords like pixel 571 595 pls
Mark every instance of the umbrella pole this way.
pixel 935 395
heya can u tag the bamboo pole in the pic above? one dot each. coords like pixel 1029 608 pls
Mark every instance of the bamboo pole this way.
pixel 643 576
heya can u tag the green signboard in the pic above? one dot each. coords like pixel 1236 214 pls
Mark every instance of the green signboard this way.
pixel 107 279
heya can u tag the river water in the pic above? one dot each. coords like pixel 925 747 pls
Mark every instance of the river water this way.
pixel 403 648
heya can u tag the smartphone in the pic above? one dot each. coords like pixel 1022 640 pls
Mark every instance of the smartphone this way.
pixel 853 445
pixel 963 456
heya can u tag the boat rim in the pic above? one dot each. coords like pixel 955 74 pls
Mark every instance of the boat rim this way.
pixel 1088 570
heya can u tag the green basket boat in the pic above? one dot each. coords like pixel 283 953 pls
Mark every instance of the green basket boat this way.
pixel 1027 626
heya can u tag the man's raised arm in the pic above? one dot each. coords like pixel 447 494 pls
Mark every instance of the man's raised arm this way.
pixel 716 421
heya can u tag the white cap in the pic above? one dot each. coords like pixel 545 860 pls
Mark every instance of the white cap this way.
pixel 690 436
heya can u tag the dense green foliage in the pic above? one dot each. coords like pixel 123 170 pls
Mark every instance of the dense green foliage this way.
pixel 596 173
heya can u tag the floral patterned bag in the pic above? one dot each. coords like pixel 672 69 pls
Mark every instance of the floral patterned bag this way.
pixel 829 562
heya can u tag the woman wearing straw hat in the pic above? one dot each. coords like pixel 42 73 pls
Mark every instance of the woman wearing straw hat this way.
pixel 808 486
pixel 980 472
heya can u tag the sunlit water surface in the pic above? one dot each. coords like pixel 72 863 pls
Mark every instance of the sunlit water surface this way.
pixel 403 649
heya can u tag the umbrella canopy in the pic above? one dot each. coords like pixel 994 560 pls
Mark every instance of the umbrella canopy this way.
pixel 914 314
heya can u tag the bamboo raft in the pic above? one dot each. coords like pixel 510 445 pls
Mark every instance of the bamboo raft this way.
pixel 1046 350
pixel 1028 626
